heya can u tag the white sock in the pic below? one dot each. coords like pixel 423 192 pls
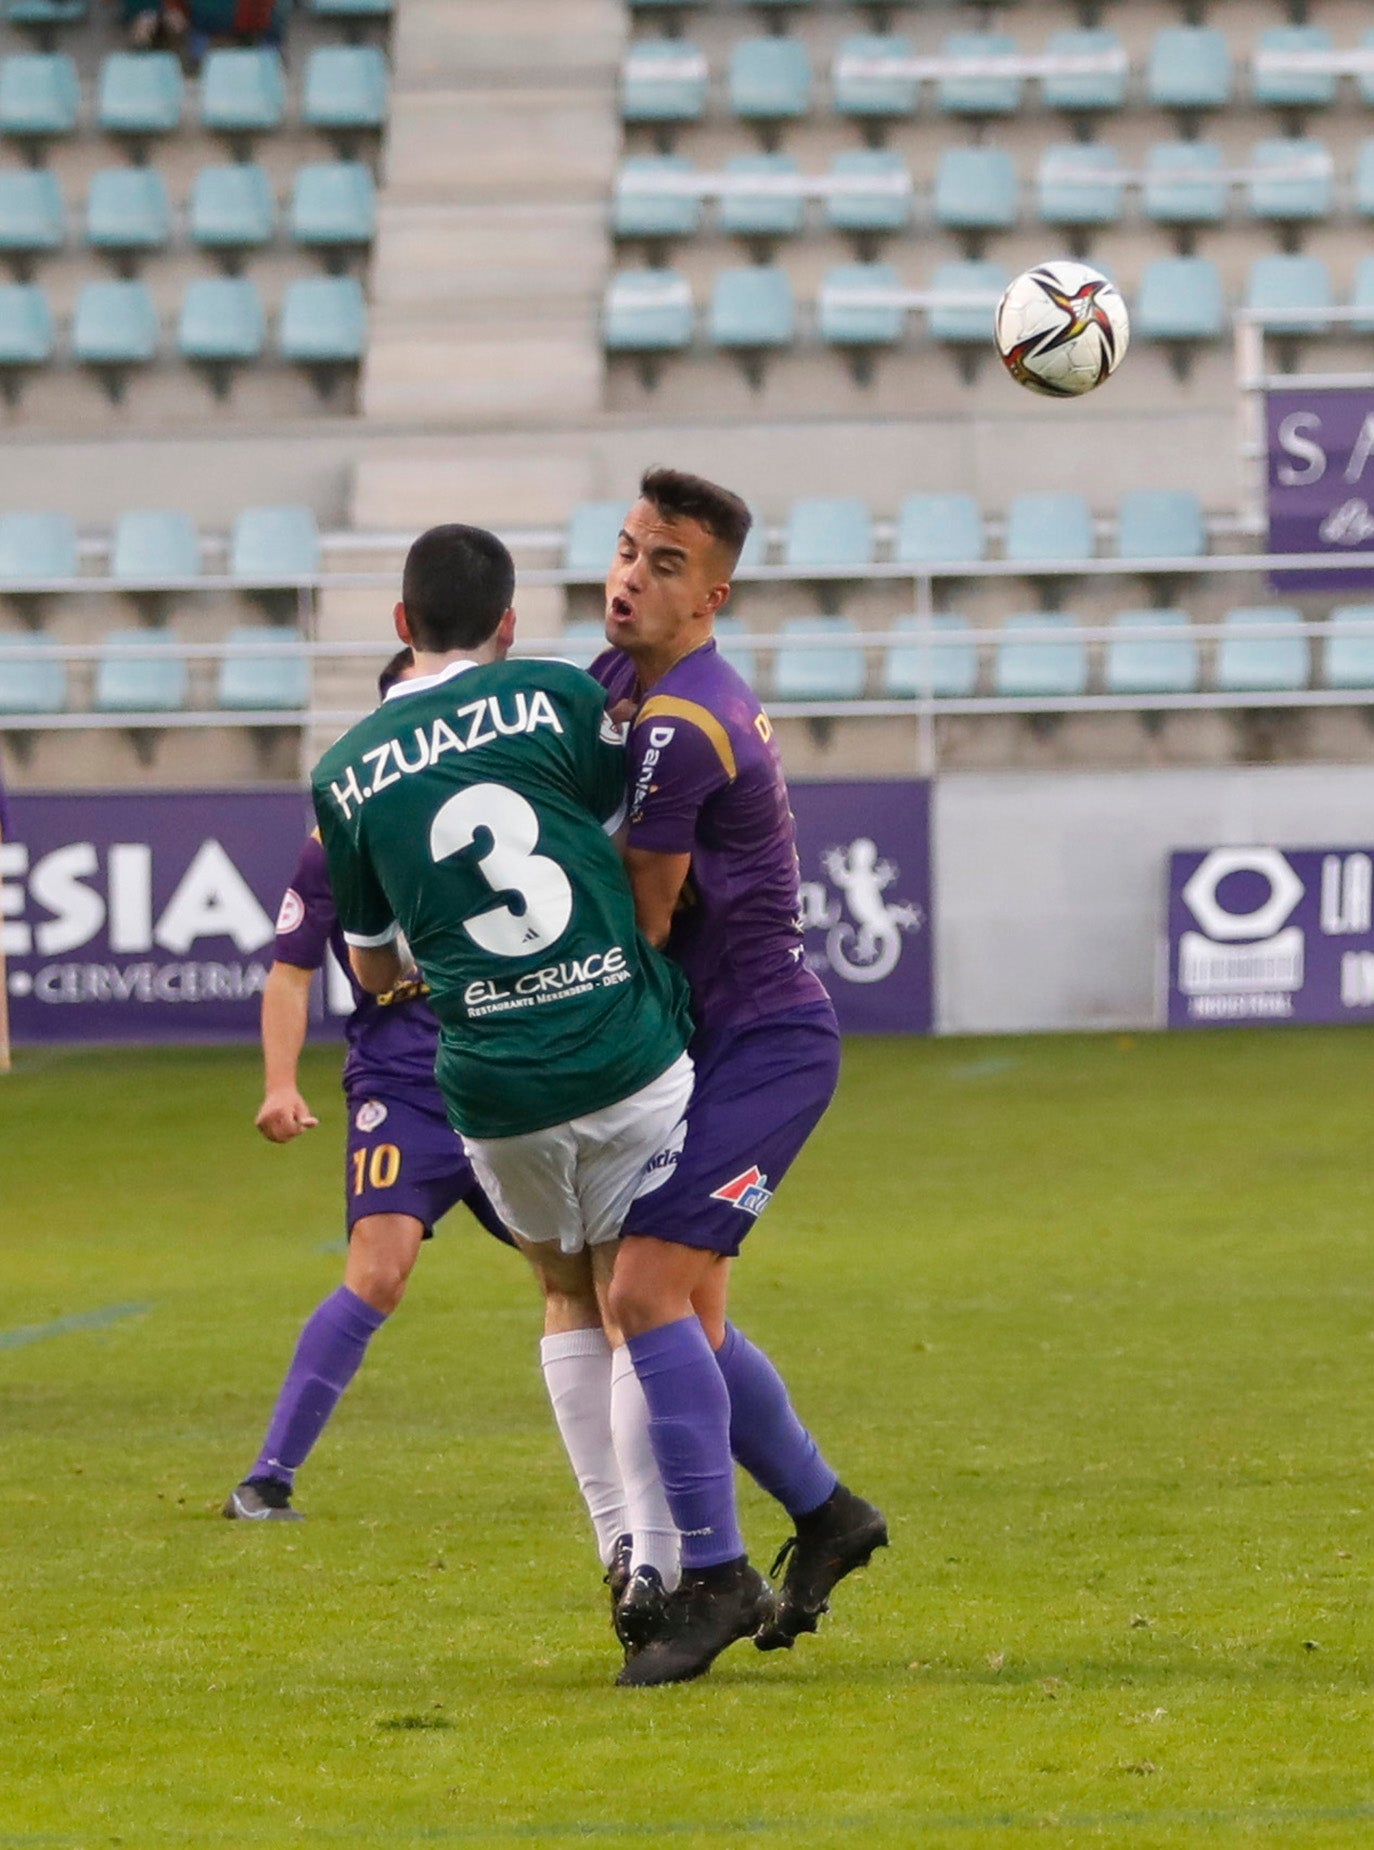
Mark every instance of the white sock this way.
pixel 656 1540
pixel 577 1374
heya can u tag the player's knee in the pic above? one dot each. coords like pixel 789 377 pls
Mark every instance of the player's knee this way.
pixel 634 1307
pixel 380 1284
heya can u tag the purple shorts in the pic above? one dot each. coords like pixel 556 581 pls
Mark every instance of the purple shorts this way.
pixel 405 1158
pixel 761 1089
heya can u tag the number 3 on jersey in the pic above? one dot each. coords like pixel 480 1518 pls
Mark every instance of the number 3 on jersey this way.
pixel 536 894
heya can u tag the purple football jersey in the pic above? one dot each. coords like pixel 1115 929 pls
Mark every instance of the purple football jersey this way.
pixel 391 1045
pixel 706 780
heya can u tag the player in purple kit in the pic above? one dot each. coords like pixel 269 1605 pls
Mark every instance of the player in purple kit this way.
pixel 712 860
pixel 405 1166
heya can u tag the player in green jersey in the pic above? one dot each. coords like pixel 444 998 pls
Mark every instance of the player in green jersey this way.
pixel 468 815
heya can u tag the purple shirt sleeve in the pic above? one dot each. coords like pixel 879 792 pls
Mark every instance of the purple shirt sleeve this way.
pixel 675 766
pixel 307 911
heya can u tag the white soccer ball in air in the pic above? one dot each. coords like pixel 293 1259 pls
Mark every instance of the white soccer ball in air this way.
pixel 1061 329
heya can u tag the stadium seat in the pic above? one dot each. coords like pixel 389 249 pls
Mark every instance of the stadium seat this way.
pixel 593 531
pixel 582 640
pixel 818 674
pixel 979 94
pixel 115 325
pixel 872 95
pixel 1077 184
pixel 648 311
pixel 1086 92
pixel 232 208
pixel 947 669
pixel 938 529
pixel 731 640
pixel 33 676
pixel 975 190
pixel 1247 663
pixel 1047 527
pixel 153 547
pixel 130 680
pixel 769 213
pixel 845 319
pixel 345 89
pixel 274 677
pixel 1160 523
pixel 346 10
pixel 663 81
pixel 752 309
pixel 37 546
pixel 1362 297
pixel 31 216
pixel 1281 287
pixel 274 545
pixel 128 210
pixel 39 97
pixel 828 530
pixel 641 210
pixel 1151 664
pixel 1292 180
pixel 324 321
pixel 1364 180
pixel 1349 657
pixel 333 206
pixel 1189 69
pixel 1043 668
pixel 46 12
pixel 770 81
pixel 242 92
pixel 1278 84
pixel 1364 81
pixel 964 298
pixel 1179 299
pixel 140 94
pixel 27 335
pixel 881 201
pixel 1184 183
pixel 222 321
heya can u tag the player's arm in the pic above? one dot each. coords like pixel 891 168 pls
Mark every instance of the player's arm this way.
pixel 285 1023
pixel 679 757
pixel 656 880
pixel 379 967
pixel 365 912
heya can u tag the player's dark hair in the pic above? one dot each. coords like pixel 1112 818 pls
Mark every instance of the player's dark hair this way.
pixel 458 584
pixel 395 668
pixel 691 497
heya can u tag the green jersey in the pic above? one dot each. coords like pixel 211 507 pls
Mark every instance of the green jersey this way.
pixel 469 811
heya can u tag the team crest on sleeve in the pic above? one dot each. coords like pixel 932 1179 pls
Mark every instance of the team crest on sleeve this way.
pixel 292 913
pixel 370 1115
pixel 613 731
pixel 748 1192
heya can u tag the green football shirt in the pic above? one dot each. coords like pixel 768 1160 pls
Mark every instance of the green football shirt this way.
pixel 468 811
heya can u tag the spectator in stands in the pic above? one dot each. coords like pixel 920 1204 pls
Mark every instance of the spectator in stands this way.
pixel 155 25
pixel 234 22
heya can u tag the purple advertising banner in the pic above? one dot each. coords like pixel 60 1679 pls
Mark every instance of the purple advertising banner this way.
pixel 149 916
pixel 1270 934
pixel 1321 482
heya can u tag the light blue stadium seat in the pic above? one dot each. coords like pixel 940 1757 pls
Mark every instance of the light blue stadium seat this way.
pixel 1043 527
pixel 1364 82
pixel 31 215
pixel 947 669
pixel 1293 88
pixel 830 530
pixel 1362 297
pixel 1349 658
pixel 1160 523
pixel 966 297
pixel 1151 664
pixel 154 545
pixel 1040 669
pixel 1179 299
pixel 33 677
pixel 1189 69
pixel 975 190
pixel 768 213
pixel 818 674
pixel 222 321
pixel 39 96
pixel 1293 180
pixel 37 546
pixel 939 529
pixel 275 677
pixel 733 645
pixel 882 199
pixel 1085 92
pixel 1076 184
pixel 232 207
pixel 641 210
pixel 275 545
pixel 1364 180
pixel 140 94
pixel 648 311
pixel 1184 183
pixel 27 335
pixel 1247 663
pixel 978 94
pixel 46 12
pixel 242 92
pixel 324 321
pixel 770 80
pixel 664 81
pixel 346 10
pixel 582 640
pixel 130 680
pixel 115 325
pixel 881 96
pixel 752 309
pixel 1282 286
pixel 345 89
pixel 846 319
pixel 127 209
pixel 333 205
pixel 593 532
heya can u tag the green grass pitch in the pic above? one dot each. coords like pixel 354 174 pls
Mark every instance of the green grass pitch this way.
pixel 1091 1317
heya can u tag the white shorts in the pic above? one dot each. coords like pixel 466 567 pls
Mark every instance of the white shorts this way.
pixel 574 1182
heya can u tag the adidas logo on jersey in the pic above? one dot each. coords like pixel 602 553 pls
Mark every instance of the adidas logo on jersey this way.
pixel 748 1192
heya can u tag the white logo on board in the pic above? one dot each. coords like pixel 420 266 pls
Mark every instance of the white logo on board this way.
pixel 866 946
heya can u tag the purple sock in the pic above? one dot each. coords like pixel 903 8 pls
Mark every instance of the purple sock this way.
pixel 765 1434
pixel 689 1429
pixel 330 1352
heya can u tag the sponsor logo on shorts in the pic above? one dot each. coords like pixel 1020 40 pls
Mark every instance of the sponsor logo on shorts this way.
pixel 748 1192
pixel 292 914
pixel 370 1115
pixel 659 1168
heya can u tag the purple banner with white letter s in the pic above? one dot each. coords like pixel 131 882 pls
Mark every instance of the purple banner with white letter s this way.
pixel 1321 482
pixel 1271 934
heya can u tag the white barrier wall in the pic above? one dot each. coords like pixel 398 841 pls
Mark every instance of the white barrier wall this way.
pixel 1050 888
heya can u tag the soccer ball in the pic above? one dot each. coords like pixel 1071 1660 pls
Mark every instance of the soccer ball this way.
pixel 1061 329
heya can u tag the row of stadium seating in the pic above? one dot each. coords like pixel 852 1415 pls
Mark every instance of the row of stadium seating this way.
pixel 668 14
pixel 49 14
pixel 148 672
pixel 275 546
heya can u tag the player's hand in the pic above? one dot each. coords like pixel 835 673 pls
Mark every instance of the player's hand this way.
pixel 284 1115
pixel 623 711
